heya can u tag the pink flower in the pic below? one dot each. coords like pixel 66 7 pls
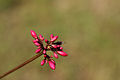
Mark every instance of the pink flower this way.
pixel 38 50
pixel 54 38
pixel 45 55
pixel 51 45
pixel 46 41
pixel 46 61
pixel 34 41
pixel 53 61
pixel 37 44
pixel 55 55
pixel 42 62
pixel 51 36
pixel 61 48
pixel 58 45
pixel 52 65
pixel 34 35
pixel 54 46
pixel 44 51
pixel 62 53
pixel 41 37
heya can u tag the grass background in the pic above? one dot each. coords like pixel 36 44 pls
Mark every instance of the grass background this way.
pixel 90 30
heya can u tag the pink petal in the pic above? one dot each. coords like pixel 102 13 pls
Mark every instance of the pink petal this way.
pixel 37 44
pixel 46 61
pixel 44 51
pixel 34 35
pixel 55 55
pixel 38 50
pixel 34 41
pixel 53 61
pixel 46 40
pixel 54 46
pixel 52 65
pixel 61 48
pixel 51 36
pixel 54 38
pixel 41 37
pixel 45 55
pixel 62 53
pixel 42 62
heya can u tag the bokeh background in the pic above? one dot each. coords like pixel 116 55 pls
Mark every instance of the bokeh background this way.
pixel 90 30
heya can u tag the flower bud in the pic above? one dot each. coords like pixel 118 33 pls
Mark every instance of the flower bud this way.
pixel 62 53
pixel 61 48
pixel 46 61
pixel 34 41
pixel 44 51
pixel 45 56
pixel 53 61
pixel 41 37
pixel 54 46
pixel 38 50
pixel 51 36
pixel 55 55
pixel 34 35
pixel 46 41
pixel 42 62
pixel 37 44
pixel 52 65
pixel 54 38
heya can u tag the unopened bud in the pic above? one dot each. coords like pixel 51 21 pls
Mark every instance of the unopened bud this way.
pixel 52 65
pixel 42 62
pixel 37 44
pixel 38 50
pixel 41 37
pixel 62 53
pixel 54 38
pixel 55 55
pixel 34 35
pixel 51 36
pixel 44 51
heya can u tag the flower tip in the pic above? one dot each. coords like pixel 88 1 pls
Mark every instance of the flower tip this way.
pixel 37 44
pixel 34 35
pixel 52 65
pixel 62 53
pixel 42 62
pixel 41 37
pixel 61 48
pixel 46 40
pixel 38 50
pixel 55 55
pixel 51 36
pixel 44 51
pixel 54 46
pixel 54 38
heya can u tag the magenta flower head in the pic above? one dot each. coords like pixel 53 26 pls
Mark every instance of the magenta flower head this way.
pixel 51 45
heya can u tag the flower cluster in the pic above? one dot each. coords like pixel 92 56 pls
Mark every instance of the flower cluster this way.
pixel 51 45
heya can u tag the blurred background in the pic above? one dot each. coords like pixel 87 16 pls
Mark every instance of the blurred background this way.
pixel 90 30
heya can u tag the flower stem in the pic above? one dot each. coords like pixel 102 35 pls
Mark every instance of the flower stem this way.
pixel 21 65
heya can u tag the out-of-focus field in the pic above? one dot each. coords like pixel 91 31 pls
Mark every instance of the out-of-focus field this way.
pixel 90 30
